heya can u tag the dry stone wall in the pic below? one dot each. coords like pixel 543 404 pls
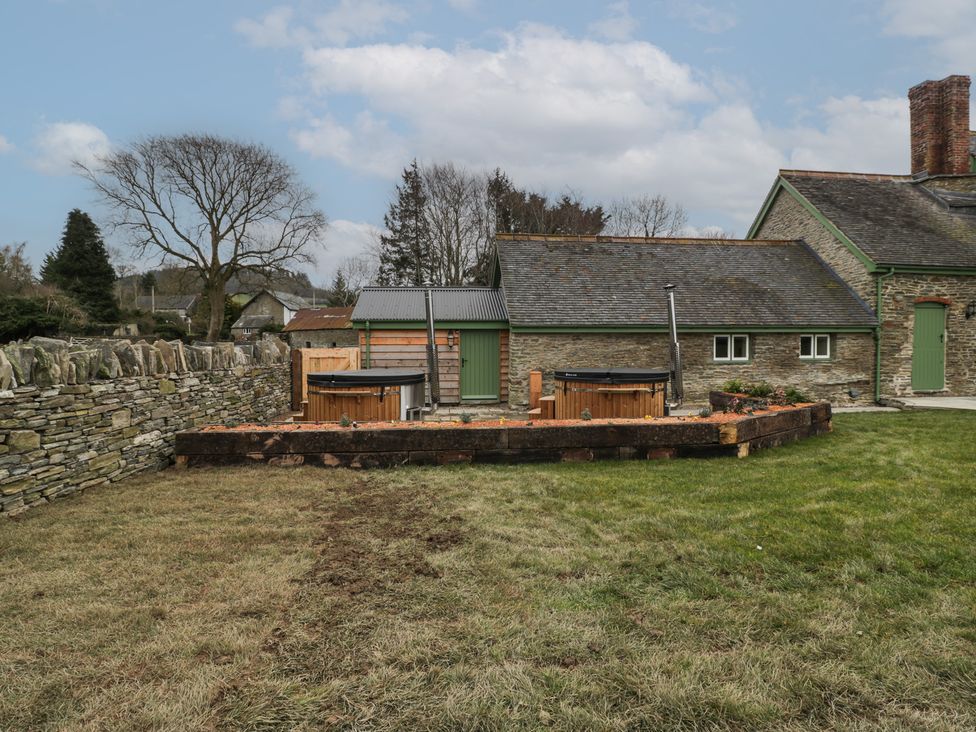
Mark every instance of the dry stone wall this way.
pixel 76 415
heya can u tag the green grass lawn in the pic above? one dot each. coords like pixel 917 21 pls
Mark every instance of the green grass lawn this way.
pixel 828 584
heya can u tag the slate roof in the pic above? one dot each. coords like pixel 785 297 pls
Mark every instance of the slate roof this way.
pixel 894 220
pixel 617 282
pixel 166 302
pixel 319 319
pixel 252 321
pixel 289 300
pixel 464 304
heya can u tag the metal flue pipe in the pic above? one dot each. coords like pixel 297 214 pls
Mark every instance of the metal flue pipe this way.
pixel 433 373
pixel 677 386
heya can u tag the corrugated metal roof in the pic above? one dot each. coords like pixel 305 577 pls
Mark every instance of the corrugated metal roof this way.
pixel 319 319
pixel 252 321
pixel 602 282
pixel 463 304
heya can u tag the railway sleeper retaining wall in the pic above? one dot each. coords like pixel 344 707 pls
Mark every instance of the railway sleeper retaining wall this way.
pixel 365 447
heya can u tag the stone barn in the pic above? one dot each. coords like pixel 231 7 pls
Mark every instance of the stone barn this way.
pixel 321 328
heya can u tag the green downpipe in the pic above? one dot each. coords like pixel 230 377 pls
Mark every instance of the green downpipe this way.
pixel 877 336
pixel 367 344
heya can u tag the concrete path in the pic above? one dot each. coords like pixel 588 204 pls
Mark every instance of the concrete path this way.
pixel 863 408
pixel 938 402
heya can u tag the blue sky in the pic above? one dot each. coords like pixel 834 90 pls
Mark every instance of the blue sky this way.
pixel 700 101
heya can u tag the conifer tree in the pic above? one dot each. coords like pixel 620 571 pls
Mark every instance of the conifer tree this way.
pixel 405 251
pixel 80 268
pixel 340 295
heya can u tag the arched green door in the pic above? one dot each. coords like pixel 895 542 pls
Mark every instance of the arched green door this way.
pixel 928 347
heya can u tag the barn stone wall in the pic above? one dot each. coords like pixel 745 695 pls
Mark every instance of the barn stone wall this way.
pixel 899 294
pixel 775 359
pixel 787 219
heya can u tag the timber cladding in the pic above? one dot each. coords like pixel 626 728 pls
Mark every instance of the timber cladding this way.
pixel 407 348
pixel 388 447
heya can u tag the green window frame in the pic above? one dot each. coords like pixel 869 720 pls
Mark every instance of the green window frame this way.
pixel 730 348
pixel 815 347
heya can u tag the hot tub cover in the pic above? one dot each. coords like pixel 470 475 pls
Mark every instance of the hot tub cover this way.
pixel 367 377
pixel 613 376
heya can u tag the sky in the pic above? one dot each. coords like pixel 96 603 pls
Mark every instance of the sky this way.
pixel 699 101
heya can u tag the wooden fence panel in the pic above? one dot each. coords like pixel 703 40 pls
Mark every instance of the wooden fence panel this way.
pixel 306 361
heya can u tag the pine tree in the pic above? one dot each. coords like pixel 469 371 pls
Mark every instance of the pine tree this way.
pixel 340 295
pixel 80 267
pixel 405 251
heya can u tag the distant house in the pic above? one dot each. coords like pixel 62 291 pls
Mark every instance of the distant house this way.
pixel 268 307
pixel 178 306
pixel 321 328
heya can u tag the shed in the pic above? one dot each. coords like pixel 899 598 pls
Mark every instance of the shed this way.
pixel 321 328
pixel 471 332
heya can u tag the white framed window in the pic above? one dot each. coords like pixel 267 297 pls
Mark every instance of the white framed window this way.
pixel 248 331
pixel 815 346
pixel 730 348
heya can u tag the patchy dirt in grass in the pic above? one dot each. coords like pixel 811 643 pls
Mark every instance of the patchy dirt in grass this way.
pixel 373 544
pixel 714 418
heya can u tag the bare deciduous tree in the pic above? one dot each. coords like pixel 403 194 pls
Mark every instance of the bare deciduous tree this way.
pixel 214 205
pixel 646 216
pixel 456 214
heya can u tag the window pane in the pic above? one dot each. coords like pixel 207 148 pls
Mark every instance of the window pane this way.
pixel 721 347
pixel 823 346
pixel 806 346
pixel 740 347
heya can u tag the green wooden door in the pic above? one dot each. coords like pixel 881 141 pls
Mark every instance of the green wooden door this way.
pixel 928 347
pixel 479 364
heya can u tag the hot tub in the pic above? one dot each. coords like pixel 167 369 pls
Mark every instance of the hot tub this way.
pixel 368 395
pixel 624 392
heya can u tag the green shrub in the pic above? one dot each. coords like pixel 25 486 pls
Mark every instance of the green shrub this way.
pixel 466 418
pixel 23 317
pixel 344 421
pixel 793 396
pixel 705 412
pixel 760 390
pixel 734 386
pixel 586 415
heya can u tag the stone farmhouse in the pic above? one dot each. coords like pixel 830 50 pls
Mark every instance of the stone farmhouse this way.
pixel 268 307
pixel 797 303
pixel 905 243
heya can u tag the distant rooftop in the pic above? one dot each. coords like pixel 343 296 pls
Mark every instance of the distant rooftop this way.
pixel 462 304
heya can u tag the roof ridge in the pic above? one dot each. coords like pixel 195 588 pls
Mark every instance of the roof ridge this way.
pixel 844 174
pixel 601 239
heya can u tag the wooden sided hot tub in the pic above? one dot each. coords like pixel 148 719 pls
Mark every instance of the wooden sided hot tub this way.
pixel 367 395
pixel 608 393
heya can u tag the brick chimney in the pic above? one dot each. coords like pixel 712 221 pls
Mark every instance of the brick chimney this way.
pixel 940 125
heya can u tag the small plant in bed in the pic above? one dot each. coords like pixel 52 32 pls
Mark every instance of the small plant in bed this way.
pixel 586 415
pixel 734 386
pixel 466 418
pixel 344 421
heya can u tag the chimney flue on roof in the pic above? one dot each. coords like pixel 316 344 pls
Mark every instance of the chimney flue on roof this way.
pixel 940 126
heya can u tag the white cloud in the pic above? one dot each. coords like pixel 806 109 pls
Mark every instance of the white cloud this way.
pixel 59 144
pixel 347 20
pixel 862 135
pixel 5 145
pixel 274 30
pixel 367 144
pixel 706 18
pixel 604 119
pixel 619 25
pixel 949 24
pixel 343 239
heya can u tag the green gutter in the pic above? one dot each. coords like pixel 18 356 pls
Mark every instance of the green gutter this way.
pixel 877 337
pixel 422 325
pixel 722 329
